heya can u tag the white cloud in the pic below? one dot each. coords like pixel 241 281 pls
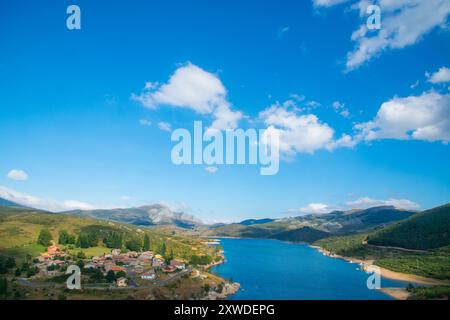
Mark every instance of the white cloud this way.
pixel 40 203
pixel 19 175
pixel 365 202
pixel 211 170
pixel 425 117
pixel 404 23
pixel 125 198
pixel 341 109
pixel 414 85
pixel 75 204
pixel 300 133
pixel 145 122
pixel 193 88
pixel 315 208
pixel 164 126
pixel 440 76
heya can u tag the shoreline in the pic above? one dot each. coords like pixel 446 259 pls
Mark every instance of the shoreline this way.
pixel 367 265
pixel 396 293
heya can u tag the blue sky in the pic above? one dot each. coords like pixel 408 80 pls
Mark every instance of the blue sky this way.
pixel 71 121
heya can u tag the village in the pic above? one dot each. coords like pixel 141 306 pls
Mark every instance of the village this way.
pixel 121 269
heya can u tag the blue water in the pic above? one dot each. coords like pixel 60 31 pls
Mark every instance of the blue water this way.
pixel 270 269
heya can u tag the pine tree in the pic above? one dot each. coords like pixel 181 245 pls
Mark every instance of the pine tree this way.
pixel 146 245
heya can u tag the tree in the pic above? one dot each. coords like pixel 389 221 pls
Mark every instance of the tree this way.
pixel 66 238
pixel 120 274
pixel 3 286
pixel 162 249
pixel 110 276
pixel 45 237
pixel 113 240
pixel 146 245
pixel 133 244
pixel 87 240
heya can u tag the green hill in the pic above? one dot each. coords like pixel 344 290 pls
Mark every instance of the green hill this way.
pixel 20 228
pixel 304 234
pixel 426 230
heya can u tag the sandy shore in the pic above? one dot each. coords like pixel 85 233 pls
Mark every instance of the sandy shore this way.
pixel 396 293
pixel 368 265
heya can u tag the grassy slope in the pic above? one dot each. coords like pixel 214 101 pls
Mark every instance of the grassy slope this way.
pixel 433 264
pixel 426 230
pixel 304 234
pixel 19 229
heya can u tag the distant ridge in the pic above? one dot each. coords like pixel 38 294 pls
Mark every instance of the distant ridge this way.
pixel 250 222
pixel 151 215
pixel 312 227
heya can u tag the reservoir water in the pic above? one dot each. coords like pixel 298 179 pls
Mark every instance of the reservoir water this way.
pixel 271 269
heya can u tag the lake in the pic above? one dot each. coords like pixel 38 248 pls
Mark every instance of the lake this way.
pixel 271 269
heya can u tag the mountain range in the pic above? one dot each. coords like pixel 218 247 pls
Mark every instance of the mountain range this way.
pixel 151 215
pixel 311 227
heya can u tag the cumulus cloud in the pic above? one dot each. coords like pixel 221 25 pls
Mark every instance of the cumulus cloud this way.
pixel 404 23
pixel 300 133
pixel 425 117
pixel 365 202
pixel 164 126
pixel 440 76
pixel 40 203
pixel 18 175
pixel 193 88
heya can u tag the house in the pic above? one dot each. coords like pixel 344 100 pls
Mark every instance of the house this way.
pixel 55 263
pixel 177 264
pixel 117 268
pixel 90 265
pixel 157 262
pixel 44 257
pixel 138 269
pixel 145 262
pixel 108 265
pixel 149 275
pixel 146 255
pixel 52 250
pixel 169 269
pixel 121 282
pixel 133 262
pixel 132 254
